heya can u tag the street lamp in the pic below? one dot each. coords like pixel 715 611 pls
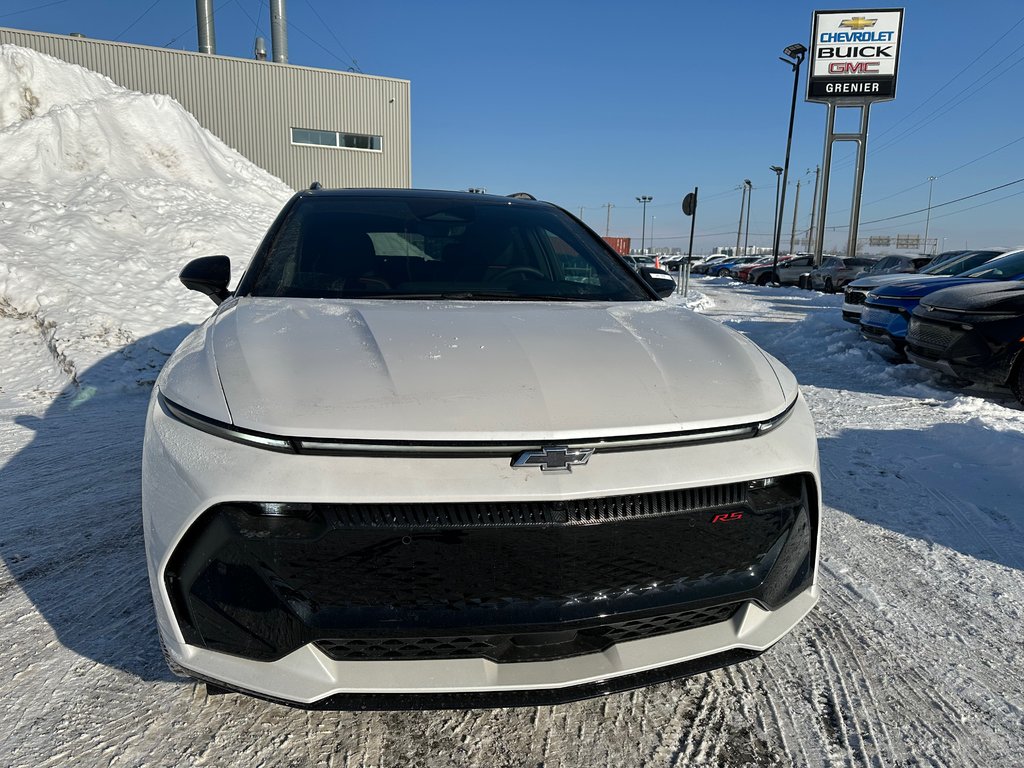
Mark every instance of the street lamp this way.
pixel 795 54
pixel 928 218
pixel 644 199
pixel 746 234
pixel 778 223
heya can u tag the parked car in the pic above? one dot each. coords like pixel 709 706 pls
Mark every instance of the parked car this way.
pixel 788 273
pixel 743 273
pixel 973 332
pixel 729 268
pixel 701 267
pixel 636 262
pixel 381 476
pixel 888 308
pixel 857 291
pixel 837 271
pixel 891 265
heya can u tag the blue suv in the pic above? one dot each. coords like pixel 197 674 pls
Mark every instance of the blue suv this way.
pixel 887 309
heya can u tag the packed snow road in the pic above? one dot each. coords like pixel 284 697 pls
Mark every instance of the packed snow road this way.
pixel 911 658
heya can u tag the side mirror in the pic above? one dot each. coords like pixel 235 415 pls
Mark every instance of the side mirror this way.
pixel 661 281
pixel 209 275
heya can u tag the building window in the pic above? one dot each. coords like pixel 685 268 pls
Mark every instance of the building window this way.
pixel 313 138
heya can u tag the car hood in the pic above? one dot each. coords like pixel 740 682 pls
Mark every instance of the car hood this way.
pixel 921 287
pixel 486 370
pixel 1002 296
pixel 870 283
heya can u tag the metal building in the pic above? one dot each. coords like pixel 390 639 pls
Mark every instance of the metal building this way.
pixel 300 123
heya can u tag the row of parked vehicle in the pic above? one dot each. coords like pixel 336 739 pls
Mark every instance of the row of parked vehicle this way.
pixel 961 312
pixel 833 274
pixel 962 315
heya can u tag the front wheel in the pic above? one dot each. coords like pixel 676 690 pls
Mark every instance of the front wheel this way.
pixel 763 279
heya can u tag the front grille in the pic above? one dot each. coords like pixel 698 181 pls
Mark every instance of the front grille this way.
pixel 854 297
pixel 932 335
pixel 260 579
pixel 538 644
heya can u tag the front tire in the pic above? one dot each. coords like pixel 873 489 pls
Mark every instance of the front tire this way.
pixel 829 288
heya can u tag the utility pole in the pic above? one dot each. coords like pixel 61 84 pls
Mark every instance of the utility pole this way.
pixel 581 213
pixel 746 236
pixel 608 218
pixel 739 225
pixel 796 207
pixel 814 208
pixel 928 219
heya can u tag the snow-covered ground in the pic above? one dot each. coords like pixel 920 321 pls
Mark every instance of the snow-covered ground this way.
pixel 914 656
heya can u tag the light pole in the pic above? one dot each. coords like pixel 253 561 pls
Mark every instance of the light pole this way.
pixel 644 200
pixel 653 218
pixel 746 232
pixel 796 53
pixel 928 218
pixel 778 222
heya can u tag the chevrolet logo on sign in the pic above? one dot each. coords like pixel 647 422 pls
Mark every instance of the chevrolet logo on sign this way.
pixel 858 23
pixel 558 458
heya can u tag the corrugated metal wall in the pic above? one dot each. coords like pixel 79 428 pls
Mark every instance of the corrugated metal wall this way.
pixel 252 106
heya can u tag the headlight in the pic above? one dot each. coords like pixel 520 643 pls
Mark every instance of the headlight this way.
pixel 227 431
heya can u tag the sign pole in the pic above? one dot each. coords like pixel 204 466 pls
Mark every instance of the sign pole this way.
pixel 858 184
pixel 826 175
pixel 689 251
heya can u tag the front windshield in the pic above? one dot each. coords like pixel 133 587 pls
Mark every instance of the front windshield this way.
pixel 960 264
pixel 1007 267
pixel 429 247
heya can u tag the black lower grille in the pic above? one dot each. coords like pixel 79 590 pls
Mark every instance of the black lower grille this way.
pixel 938 337
pixel 538 644
pixel 262 579
pixel 854 297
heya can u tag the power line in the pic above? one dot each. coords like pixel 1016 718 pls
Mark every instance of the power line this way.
pixel 949 82
pixel 948 202
pixel 175 39
pixel 259 18
pixel 943 215
pixel 33 8
pixel 143 15
pixel 938 176
pixel 355 64
pixel 952 102
pixel 328 51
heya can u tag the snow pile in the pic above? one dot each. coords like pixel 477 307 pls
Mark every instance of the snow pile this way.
pixel 104 195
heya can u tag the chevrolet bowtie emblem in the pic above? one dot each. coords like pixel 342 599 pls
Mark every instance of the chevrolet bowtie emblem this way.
pixel 858 22
pixel 553 458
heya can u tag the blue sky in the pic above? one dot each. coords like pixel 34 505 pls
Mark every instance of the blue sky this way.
pixel 585 103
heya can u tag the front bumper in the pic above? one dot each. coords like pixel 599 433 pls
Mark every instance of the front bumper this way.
pixel 884 324
pixel 961 350
pixel 270 580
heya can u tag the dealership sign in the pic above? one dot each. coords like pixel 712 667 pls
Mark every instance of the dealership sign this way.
pixel 854 55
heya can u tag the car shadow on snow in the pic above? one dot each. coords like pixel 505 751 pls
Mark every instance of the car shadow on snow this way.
pixel 72 535
pixel 957 485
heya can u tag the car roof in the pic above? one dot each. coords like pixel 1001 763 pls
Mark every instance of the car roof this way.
pixel 422 194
